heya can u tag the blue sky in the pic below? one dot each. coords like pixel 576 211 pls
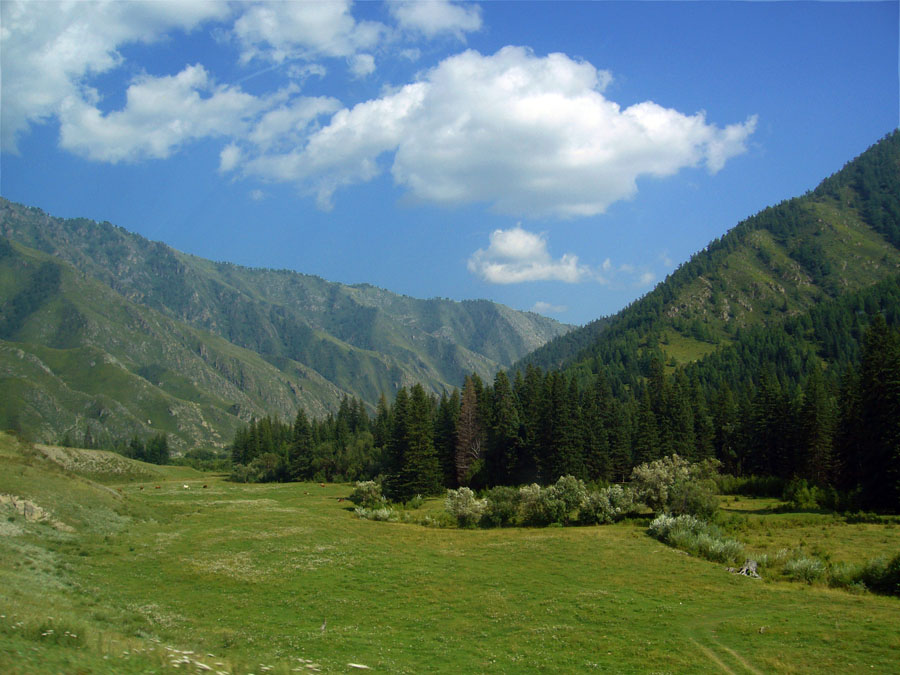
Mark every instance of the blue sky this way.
pixel 561 157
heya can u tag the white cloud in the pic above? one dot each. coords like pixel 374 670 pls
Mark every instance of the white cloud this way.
pixel 541 307
pixel 529 135
pixel 517 255
pixel 346 151
pixel 525 134
pixel 278 31
pixel 288 125
pixel 229 158
pixel 47 49
pixel 160 115
pixel 362 65
pixel 436 16
pixel 646 279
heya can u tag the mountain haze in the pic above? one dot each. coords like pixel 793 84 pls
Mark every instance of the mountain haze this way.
pixel 243 342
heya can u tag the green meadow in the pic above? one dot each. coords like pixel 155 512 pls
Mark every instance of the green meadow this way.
pixel 122 576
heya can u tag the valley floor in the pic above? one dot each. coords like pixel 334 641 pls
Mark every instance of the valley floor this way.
pixel 283 578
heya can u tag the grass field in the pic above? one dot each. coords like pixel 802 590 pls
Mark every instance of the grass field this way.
pixel 283 578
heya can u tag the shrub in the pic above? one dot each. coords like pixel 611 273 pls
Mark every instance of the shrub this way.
pixel 801 495
pixel 570 491
pixel 550 509
pixel 882 575
pixel 502 507
pixel 804 569
pixel 846 576
pixel 415 503
pixel 463 505
pixel 606 506
pixel 529 496
pixel 384 513
pixel 696 497
pixel 696 536
pixel 673 485
pixel 241 473
pixel 367 494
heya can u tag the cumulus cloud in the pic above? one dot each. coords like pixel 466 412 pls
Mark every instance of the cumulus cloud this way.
pixel 517 255
pixel 288 125
pixel 50 52
pixel 47 48
pixel 345 151
pixel 278 31
pixel 160 115
pixel 436 17
pixel 528 135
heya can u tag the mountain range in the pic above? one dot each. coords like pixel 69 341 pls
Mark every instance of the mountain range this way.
pixel 106 333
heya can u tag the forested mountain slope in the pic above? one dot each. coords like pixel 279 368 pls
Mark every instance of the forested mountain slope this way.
pixel 840 238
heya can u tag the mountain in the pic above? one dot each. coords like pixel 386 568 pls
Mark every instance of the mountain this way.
pixel 195 348
pixel 775 266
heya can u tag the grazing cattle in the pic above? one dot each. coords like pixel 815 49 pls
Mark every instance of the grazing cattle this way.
pixel 205 485
pixel 157 487
pixel 186 486
pixel 141 487
pixel 321 484
pixel 340 499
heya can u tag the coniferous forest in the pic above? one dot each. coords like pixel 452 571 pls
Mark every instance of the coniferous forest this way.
pixel 764 407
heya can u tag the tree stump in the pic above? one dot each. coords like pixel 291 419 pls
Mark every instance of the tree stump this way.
pixel 748 570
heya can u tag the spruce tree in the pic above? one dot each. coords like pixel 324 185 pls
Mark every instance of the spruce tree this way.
pixel 301 448
pixel 420 473
pixel 879 431
pixel 503 434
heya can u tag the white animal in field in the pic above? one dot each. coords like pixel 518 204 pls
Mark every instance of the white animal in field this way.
pixel 186 486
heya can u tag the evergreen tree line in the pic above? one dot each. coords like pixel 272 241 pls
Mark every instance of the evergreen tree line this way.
pixel 793 418
pixel 154 450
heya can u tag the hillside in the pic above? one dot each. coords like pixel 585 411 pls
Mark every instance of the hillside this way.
pixel 76 357
pixel 779 264
pixel 195 348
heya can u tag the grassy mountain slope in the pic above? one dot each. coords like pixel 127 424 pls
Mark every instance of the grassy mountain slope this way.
pixel 778 264
pixel 362 339
pixel 75 355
